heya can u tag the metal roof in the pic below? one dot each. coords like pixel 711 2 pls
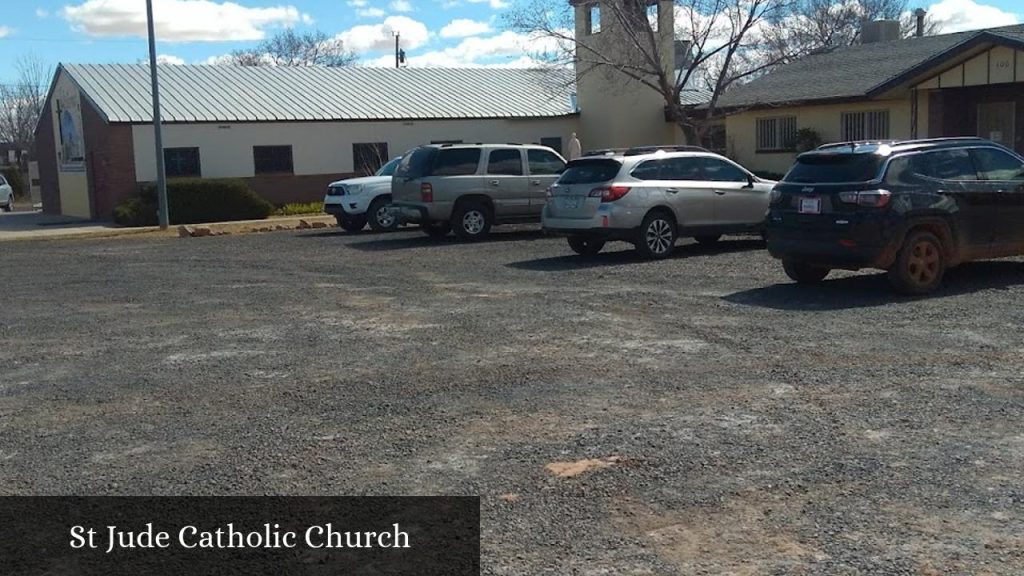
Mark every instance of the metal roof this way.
pixel 208 93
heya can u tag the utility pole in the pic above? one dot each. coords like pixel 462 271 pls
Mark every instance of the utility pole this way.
pixel 161 176
pixel 397 51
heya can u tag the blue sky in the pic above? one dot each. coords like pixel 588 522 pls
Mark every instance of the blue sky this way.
pixel 434 32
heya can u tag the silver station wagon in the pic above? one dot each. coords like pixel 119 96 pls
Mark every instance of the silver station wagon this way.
pixel 650 199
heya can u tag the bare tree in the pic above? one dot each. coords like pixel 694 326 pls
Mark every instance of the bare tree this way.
pixel 715 44
pixel 289 48
pixel 22 101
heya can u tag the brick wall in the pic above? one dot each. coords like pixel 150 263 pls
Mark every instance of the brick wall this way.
pixel 46 147
pixel 111 164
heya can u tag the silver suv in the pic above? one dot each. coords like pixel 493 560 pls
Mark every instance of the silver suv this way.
pixel 651 199
pixel 467 188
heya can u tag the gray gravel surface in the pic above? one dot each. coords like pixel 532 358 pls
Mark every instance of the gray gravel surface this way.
pixel 706 416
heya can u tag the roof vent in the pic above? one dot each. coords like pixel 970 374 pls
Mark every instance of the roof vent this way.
pixel 879 31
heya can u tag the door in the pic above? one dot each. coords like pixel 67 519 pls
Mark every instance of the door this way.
pixel 506 184
pixel 691 197
pixel 996 122
pixel 737 201
pixel 951 174
pixel 1003 174
pixel 544 167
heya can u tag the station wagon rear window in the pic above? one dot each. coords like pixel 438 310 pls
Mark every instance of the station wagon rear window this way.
pixel 835 168
pixel 590 171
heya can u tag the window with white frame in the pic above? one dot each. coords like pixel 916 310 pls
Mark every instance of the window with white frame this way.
pixel 776 134
pixel 870 125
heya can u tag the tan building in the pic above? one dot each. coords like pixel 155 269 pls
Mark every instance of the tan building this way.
pixel 288 132
pixel 964 84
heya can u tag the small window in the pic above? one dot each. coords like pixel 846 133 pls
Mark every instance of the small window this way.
pixel 505 162
pixel 717 170
pixel 949 165
pixel 182 163
pixel 555 143
pixel 858 126
pixel 776 134
pixel 456 162
pixel 367 158
pixel 544 162
pixel 684 168
pixel 590 171
pixel 593 18
pixel 995 164
pixel 649 170
pixel 273 159
pixel 652 15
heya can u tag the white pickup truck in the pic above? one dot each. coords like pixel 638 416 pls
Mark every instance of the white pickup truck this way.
pixel 6 195
pixel 358 200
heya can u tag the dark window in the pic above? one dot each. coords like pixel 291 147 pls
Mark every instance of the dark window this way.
pixel 367 158
pixel 834 168
pixel 590 171
pixel 273 159
pixel 776 134
pixel 182 162
pixel 544 162
pixel 649 170
pixel 996 164
pixel 505 162
pixel 720 171
pixel 456 162
pixel 949 165
pixel 554 143
pixel 684 168
pixel 388 169
pixel 416 164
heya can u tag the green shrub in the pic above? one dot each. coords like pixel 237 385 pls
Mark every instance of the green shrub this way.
pixel 299 209
pixel 14 177
pixel 191 201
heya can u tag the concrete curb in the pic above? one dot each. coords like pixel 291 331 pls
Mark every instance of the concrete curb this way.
pixel 274 223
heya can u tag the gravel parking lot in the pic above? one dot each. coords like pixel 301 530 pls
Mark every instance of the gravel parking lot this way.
pixel 699 415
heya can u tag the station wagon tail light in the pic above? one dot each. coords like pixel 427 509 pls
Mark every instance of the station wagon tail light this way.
pixel 775 196
pixel 548 193
pixel 426 192
pixel 609 193
pixel 869 199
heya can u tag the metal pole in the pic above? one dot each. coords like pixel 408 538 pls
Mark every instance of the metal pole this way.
pixel 161 176
pixel 397 36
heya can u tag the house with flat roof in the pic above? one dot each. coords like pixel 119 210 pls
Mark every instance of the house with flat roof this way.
pixel 963 84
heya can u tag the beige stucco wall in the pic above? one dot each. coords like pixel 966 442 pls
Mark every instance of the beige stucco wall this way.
pixel 741 128
pixel 225 150
pixel 999 65
pixel 615 110
pixel 72 177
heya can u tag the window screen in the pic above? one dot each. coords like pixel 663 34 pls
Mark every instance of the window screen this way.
pixel 776 134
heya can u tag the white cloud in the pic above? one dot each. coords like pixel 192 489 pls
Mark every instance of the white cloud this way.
pixel 219 60
pixel 6 31
pixel 357 3
pixel 494 4
pixel 168 59
pixel 180 20
pixel 463 27
pixel 505 50
pixel 41 13
pixel 380 37
pixel 370 13
pixel 959 15
pixel 401 6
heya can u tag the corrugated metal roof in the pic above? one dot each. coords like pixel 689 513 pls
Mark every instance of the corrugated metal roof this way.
pixel 201 93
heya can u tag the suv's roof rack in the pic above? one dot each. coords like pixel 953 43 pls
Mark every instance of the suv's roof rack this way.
pixel 638 150
pixel 603 152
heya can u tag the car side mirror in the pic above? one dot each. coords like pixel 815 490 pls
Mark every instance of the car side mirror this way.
pixel 750 181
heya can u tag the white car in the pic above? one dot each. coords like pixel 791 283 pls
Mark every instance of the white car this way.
pixel 358 200
pixel 6 195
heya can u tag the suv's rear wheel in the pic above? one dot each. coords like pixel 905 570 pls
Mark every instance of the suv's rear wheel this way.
pixel 380 216
pixel 919 265
pixel 708 239
pixel 352 223
pixel 804 273
pixel 436 230
pixel 585 245
pixel 656 237
pixel 471 220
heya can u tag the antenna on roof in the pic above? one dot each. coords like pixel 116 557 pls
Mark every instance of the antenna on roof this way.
pixel 399 53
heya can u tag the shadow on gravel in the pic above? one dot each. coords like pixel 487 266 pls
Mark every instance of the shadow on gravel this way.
pixel 420 240
pixel 874 289
pixel 572 261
